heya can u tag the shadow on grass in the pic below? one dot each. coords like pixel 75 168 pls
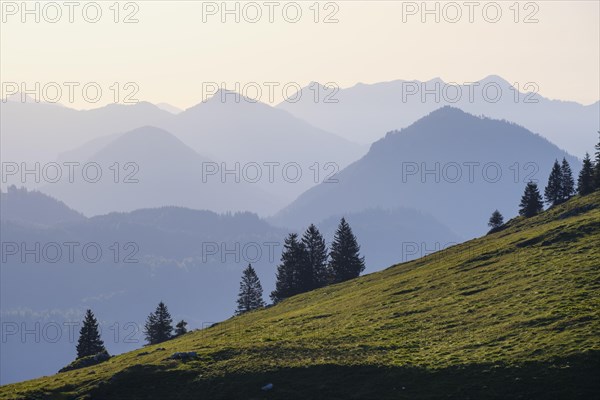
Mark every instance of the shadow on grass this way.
pixel 570 378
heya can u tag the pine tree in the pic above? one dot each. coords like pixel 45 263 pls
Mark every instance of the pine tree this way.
pixel 180 328
pixel 158 327
pixel 251 292
pixel 553 191
pixel 89 343
pixel 345 261
pixel 567 184
pixel 585 182
pixel 316 257
pixel 496 220
pixel 289 276
pixel 597 167
pixel 531 202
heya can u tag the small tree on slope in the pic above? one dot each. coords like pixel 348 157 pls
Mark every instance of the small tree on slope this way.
pixel 496 220
pixel 158 327
pixel 251 292
pixel 290 271
pixel 597 167
pixel 345 261
pixel 89 342
pixel 531 202
pixel 585 182
pixel 553 191
pixel 316 257
pixel 567 184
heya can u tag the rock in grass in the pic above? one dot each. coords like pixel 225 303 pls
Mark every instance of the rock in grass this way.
pixel 267 387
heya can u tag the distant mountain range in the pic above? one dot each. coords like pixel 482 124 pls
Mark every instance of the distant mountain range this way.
pixel 451 165
pixel 247 142
pixel 35 208
pixel 175 254
pixel 155 169
pixel 39 132
pixel 365 112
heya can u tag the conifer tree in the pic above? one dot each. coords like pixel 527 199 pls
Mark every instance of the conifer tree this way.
pixel 567 182
pixel 316 258
pixel 553 191
pixel 89 342
pixel 293 260
pixel 158 327
pixel 585 182
pixel 496 220
pixel 345 261
pixel 180 328
pixel 531 202
pixel 597 166
pixel 251 292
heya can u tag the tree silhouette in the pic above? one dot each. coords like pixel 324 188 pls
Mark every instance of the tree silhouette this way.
pixel 567 188
pixel 293 260
pixel 531 202
pixel 553 191
pixel 89 342
pixel 597 166
pixel 158 327
pixel 316 258
pixel 251 292
pixel 496 220
pixel 345 261
pixel 585 182
pixel 180 328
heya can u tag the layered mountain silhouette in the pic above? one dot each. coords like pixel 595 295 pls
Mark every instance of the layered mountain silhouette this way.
pixel 452 165
pixel 39 132
pixel 149 167
pixel 364 112
pixel 186 255
pixel 233 129
pixel 20 205
pixel 281 154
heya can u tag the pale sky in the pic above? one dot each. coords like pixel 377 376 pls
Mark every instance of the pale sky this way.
pixel 170 52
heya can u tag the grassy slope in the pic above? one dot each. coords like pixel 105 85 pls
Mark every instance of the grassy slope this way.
pixel 514 314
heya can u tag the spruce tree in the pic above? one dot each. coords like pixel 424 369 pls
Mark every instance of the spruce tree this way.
pixel 597 167
pixel 568 183
pixel 553 191
pixel 496 220
pixel 292 269
pixel 345 261
pixel 316 257
pixel 251 292
pixel 89 342
pixel 531 202
pixel 180 328
pixel 158 327
pixel 585 182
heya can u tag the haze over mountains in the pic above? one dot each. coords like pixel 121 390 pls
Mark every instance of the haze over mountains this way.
pixel 424 188
pixel 244 140
pixel 39 132
pixel 450 164
pixel 149 167
pixel 364 112
pixel 187 256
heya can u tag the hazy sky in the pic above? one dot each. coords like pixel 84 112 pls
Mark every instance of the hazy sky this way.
pixel 176 46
